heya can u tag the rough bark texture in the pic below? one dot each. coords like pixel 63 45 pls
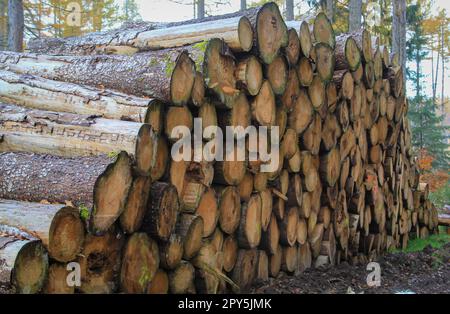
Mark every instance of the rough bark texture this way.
pixel 39 93
pixel 151 74
pixel 16 25
pixel 355 14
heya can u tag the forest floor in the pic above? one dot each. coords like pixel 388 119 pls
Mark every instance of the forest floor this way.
pixel 421 272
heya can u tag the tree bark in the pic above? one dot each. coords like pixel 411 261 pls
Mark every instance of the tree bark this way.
pixel 289 10
pixel 69 135
pixel 399 31
pixel 23 265
pixel 100 183
pixel 354 15
pixel 164 74
pixel 39 93
pixel 58 227
pixel 16 25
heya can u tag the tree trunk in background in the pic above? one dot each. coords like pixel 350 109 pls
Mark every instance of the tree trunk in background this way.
pixel 289 10
pixel 328 8
pixel 200 9
pixel 354 15
pixel 16 25
pixel 3 24
pixel 399 31
pixel 443 70
pixel 243 5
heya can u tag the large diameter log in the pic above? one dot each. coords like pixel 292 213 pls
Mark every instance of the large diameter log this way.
pixel 139 264
pixel 348 55
pixel 58 227
pixel 40 93
pixel 164 74
pixel 98 184
pixel 162 210
pixel 249 231
pixel 131 38
pixel 70 135
pixel 270 30
pixel 100 262
pixel 323 30
pixel 23 265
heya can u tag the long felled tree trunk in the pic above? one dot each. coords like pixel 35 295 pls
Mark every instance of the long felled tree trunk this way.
pixel 97 184
pixel 39 93
pixel 70 135
pixel 164 74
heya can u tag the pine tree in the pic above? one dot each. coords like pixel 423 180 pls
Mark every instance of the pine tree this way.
pixel 130 11
pixel 428 131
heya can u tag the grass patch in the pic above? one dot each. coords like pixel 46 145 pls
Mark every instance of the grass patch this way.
pixel 436 241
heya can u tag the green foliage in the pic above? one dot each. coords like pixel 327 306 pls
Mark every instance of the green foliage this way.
pixel 84 212
pixel 130 11
pixel 113 154
pixel 428 131
pixel 441 197
pixel 436 241
pixel 427 127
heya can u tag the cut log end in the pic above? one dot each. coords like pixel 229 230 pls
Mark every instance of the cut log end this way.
pixel 271 31
pixel 182 79
pixel 66 235
pixel 110 193
pixel 245 32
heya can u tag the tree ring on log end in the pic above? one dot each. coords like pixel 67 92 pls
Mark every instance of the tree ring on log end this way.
pixel 66 235
pixel 182 79
pixel 271 31
pixel 146 146
pixel 110 193
pixel 245 33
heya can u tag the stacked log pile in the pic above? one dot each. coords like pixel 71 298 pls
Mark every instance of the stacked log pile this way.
pixel 86 173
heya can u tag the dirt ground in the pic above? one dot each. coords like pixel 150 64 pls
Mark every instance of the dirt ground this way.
pixel 419 273
pixel 423 272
